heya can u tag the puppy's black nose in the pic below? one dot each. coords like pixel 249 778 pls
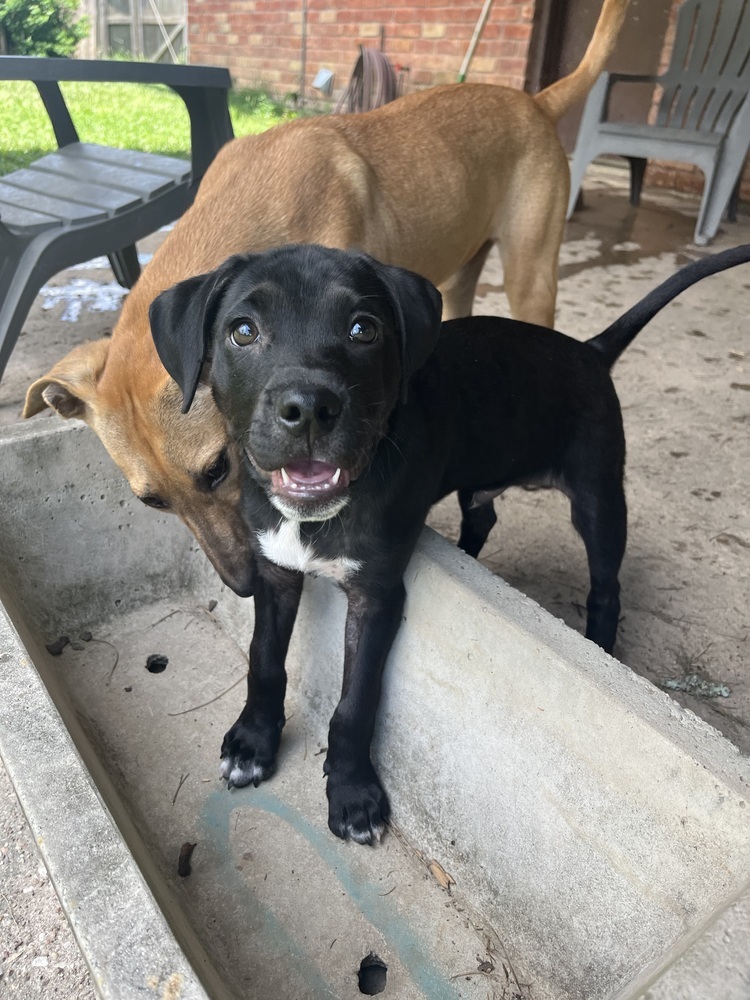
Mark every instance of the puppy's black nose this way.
pixel 308 410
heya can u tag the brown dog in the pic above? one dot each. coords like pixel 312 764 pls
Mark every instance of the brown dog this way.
pixel 428 183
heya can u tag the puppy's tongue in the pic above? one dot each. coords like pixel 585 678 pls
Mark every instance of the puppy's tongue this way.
pixel 306 476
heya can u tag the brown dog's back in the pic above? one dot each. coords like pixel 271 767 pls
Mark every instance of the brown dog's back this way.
pixel 429 182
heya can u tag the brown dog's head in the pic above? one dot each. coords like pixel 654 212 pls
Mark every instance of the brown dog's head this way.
pixel 307 350
pixel 181 463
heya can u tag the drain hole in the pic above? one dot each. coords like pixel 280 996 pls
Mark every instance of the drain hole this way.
pixel 372 973
pixel 156 663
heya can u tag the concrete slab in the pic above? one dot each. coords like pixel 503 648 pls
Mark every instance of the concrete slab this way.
pixel 595 830
pixel 686 570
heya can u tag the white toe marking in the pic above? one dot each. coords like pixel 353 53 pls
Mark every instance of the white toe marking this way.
pixel 365 836
pixel 241 774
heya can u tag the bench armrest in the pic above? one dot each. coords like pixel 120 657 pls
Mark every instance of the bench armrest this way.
pixel 203 90
pixel 44 68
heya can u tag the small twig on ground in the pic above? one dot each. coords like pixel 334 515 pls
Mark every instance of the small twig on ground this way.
pixel 697 657
pixel 117 656
pixel 10 910
pixel 195 708
pixel 183 779
pixel 714 537
pixel 164 618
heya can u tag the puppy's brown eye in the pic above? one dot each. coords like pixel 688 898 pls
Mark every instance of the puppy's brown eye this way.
pixel 363 331
pixel 243 333
pixel 154 501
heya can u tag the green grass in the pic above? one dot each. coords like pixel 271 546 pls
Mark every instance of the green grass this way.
pixel 131 116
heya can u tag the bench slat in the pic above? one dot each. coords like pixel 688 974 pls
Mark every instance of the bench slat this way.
pixel 35 182
pixel 155 163
pixel 61 208
pixel 24 219
pixel 138 183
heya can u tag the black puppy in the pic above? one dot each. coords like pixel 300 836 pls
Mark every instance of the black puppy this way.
pixel 356 414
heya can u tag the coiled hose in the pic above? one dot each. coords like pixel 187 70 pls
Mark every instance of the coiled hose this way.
pixel 373 83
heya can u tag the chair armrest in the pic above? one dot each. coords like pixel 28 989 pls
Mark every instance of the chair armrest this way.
pixel 633 78
pixel 203 90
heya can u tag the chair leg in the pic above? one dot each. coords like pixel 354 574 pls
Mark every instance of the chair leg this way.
pixel 717 191
pixel 18 289
pixel 637 172
pixel 734 200
pixel 125 265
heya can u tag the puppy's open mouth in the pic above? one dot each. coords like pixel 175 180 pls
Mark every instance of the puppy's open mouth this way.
pixel 305 479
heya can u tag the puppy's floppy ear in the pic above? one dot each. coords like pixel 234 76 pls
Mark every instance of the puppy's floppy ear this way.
pixel 418 306
pixel 181 320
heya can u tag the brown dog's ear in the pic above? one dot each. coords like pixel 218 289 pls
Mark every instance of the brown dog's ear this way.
pixel 418 306
pixel 181 319
pixel 69 387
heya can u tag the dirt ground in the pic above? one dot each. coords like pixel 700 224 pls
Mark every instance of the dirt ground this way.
pixel 685 391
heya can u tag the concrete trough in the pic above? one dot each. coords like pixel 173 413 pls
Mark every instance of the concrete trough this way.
pixel 597 834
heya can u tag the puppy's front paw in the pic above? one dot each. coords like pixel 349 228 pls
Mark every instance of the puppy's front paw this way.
pixel 358 806
pixel 248 753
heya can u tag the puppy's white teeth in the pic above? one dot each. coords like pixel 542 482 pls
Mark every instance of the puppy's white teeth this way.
pixel 284 477
pixel 335 477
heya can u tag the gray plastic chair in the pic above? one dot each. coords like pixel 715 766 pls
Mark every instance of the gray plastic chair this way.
pixel 703 114
pixel 86 200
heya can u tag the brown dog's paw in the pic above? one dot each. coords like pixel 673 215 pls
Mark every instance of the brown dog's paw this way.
pixel 248 754
pixel 358 807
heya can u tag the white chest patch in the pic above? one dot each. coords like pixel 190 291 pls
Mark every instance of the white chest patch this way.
pixel 284 547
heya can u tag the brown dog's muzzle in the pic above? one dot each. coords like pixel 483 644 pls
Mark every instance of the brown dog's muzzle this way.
pixel 228 548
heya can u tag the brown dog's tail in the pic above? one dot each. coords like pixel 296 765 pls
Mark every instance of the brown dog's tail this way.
pixel 613 341
pixel 557 98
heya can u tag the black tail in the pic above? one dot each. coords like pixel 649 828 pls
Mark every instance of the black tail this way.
pixel 613 341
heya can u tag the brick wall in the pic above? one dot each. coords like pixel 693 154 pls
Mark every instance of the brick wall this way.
pixel 260 40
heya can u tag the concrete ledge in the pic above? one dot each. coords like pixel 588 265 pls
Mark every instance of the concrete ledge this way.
pixel 601 829
pixel 119 927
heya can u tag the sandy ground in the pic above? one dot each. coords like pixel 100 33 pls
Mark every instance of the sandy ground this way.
pixel 685 391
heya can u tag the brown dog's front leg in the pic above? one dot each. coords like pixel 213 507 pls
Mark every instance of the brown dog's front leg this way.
pixel 249 749
pixel 357 804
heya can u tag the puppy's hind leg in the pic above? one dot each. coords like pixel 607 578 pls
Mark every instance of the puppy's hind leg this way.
pixel 477 521
pixel 459 290
pixel 248 753
pixel 600 517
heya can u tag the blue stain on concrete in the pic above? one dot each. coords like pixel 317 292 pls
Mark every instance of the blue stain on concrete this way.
pixel 413 953
pixel 258 920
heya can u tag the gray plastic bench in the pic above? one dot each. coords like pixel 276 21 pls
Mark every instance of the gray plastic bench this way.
pixel 86 200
